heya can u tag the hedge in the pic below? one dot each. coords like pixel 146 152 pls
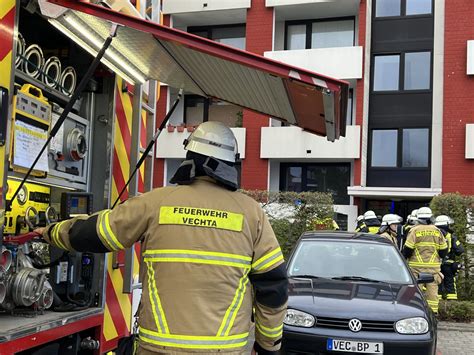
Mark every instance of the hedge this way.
pixel 456 311
pixel 293 213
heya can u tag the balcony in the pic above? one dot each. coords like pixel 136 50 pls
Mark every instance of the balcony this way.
pixel 170 144
pixel 171 7
pixel 338 62
pixel 294 143
pixel 470 141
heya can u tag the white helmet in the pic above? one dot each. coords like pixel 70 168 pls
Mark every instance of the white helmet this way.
pixel 443 220
pixel 390 219
pixel 360 218
pixel 213 139
pixel 414 213
pixel 424 213
pixel 370 215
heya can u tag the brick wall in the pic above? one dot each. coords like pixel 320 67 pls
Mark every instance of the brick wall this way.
pixel 458 172
pixel 259 33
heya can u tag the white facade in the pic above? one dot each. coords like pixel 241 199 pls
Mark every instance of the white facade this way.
pixel 338 62
pixel 294 143
pixel 185 6
pixel 470 141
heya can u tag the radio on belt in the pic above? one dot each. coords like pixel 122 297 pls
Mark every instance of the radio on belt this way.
pixel 75 204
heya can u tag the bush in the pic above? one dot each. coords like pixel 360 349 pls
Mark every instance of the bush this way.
pixel 456 311
pixel 459 207
pixel 293 213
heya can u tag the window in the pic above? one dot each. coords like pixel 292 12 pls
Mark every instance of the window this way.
pixel 418 7
pixel 296 37
pixel 413 151
pixel 232 35
pixel 391 8
pixel 415 148
pixel 384 148
pixel 320 33
pixel 386 72
pixel 417 71
pixel 326 34
pixel 198 109
pixel 385 8
pixel 333 178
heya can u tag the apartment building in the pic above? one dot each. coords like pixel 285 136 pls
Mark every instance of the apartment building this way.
pixel 410 125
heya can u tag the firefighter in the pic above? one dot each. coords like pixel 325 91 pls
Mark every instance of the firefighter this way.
pixel 424 248
pixel 389 228
pixel 359 223
pixel 371 223
pixel 449 266
pixel 411 221
pixel 210 255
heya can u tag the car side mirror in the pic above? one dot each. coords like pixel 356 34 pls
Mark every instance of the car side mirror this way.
pixel 425 278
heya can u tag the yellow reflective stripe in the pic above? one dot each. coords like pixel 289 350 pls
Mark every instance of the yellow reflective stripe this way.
pixel 158 313
pixel 231 313
pixel 268 260
pixel 195 256
pixel 201 217
pixel 410 245
pixel 427 244
pixel 106 232
pixel 102 233
pixel 442 246
pixel 269 332
pixel 193 342
pixel 433 258
pixel 57 237
pixel 452 296
pixel 418 256
pixel 423 264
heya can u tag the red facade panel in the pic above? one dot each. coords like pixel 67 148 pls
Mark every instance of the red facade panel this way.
pixel 458 172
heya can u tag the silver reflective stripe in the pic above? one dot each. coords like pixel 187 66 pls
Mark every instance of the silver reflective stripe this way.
pixel 206 141
pixel 184 341
pixel 264 263
pixel 103 228
pixel 235 306
pixel 164 256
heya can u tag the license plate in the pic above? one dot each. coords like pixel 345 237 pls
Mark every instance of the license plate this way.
pixel 351 346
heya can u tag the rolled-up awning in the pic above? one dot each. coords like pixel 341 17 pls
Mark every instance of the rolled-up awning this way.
pixel 143 50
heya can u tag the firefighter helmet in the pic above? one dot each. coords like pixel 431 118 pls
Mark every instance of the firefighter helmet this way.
pixel 213 139
pixel 370 215
pixel 424 213
pixel 443 221
pixel 390 219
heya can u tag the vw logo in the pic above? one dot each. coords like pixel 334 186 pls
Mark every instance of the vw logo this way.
pixel 355 325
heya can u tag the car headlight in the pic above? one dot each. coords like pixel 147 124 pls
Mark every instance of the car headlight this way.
pixel 298 319
pixel 417 325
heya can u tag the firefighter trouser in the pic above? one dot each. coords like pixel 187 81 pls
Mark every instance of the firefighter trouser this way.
pixel 448 286
pixel 431 290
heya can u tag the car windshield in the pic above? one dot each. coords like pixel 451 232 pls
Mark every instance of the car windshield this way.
pixel 349 260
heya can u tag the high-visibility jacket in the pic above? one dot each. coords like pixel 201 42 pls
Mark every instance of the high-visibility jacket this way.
pixel 390 237
pixel 455 247
pixel 370 226
pixel 426 242
pixel 204 249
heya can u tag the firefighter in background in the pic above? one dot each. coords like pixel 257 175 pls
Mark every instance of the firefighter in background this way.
pixel 424 248
pixel 371 223
pixel 203 245
pixel 359 223
pixel 411 221
pixel 449 266
pixel 389 228
pixel 323 224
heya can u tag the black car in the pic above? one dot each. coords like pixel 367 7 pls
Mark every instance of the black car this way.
pixel 354 294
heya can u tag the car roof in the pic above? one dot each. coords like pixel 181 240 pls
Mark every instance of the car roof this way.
pixel 343 235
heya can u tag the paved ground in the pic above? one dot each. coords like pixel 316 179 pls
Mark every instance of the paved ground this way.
pixel 455 338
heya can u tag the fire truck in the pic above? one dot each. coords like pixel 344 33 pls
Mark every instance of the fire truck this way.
pixel 79 86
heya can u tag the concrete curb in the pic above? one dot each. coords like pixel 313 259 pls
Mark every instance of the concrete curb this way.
pixel 459 327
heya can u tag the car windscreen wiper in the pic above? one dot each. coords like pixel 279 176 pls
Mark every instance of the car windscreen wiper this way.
pixel 356 278
pixel 309 277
